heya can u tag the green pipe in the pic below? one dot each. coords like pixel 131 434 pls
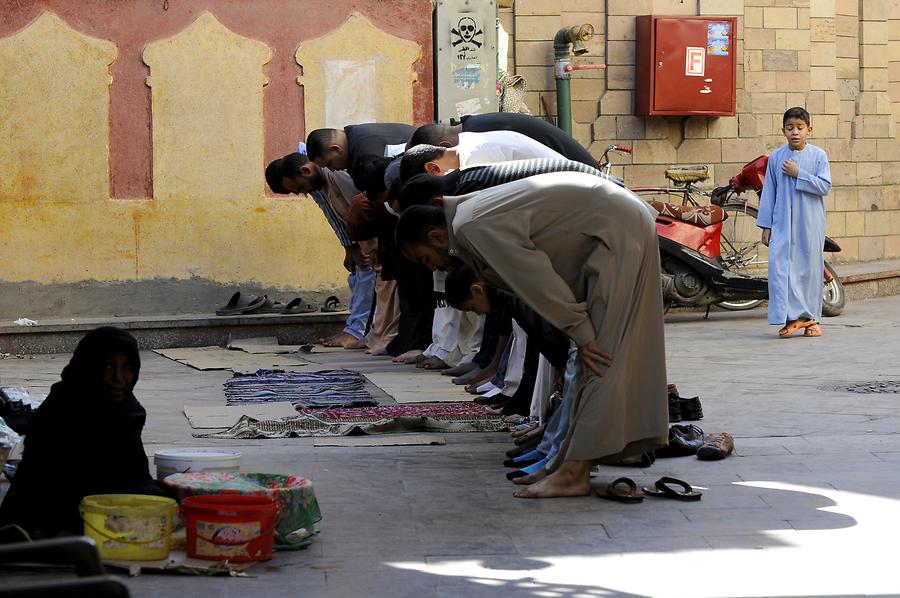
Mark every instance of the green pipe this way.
pixel 564 104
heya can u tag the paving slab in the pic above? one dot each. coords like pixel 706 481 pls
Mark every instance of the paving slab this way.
pixel 805 506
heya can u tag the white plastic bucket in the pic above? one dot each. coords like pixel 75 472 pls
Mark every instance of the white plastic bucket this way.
pixel 195 459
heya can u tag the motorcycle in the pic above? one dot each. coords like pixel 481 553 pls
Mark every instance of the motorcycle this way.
pixel 711 252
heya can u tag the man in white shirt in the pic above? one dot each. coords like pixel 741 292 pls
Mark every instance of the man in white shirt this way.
pixel 474 149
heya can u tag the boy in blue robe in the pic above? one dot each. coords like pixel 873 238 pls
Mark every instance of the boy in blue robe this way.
pixel 792 219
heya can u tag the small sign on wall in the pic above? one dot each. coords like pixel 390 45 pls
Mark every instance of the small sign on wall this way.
pixel 695 61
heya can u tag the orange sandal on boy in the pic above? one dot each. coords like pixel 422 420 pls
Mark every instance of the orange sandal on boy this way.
pixel 794 326
pixel 814 329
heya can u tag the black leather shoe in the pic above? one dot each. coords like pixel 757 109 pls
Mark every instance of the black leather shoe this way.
pixel 691 410
pixel 674 409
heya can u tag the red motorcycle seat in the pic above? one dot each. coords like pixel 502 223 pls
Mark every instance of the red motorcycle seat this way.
pixel 700 215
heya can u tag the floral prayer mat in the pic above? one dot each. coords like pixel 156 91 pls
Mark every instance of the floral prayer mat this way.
pixel 383 419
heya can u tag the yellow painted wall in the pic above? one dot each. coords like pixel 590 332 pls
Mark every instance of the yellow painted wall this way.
pixel 209 217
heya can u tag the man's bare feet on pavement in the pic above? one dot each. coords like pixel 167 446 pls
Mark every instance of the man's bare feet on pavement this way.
pixel 571 479
pixel 475 377
pixel 432 363
pixel 377 350
pixel 532 478
pixel 355 344
pixel 340 340
pixel 409 356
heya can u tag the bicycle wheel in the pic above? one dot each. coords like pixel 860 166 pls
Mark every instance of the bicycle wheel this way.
pixel 742 249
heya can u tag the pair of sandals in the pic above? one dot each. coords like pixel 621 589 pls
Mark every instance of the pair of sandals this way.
pixel 809 327
pixel 243 304
pixel 625 490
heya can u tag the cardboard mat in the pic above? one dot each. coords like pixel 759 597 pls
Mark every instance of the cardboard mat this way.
pixel 385 440
pixel 320 349
pixel 220 416
pixel 262 345
pixel 419 387
pixel 219 358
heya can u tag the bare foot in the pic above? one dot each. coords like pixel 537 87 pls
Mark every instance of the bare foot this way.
pixel 475 377
pixel 571 479
pixel 529 436
pixel 339 340
pixel 531 478
pixel 377 350
pixel 409 356
pixel 355 344
pixel 432 363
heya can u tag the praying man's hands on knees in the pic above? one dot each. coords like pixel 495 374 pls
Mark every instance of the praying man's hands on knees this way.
pixel 766 236
pixel 790 168
pixel 593 358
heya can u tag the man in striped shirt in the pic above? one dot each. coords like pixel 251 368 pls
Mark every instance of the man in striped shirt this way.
pixel 332 192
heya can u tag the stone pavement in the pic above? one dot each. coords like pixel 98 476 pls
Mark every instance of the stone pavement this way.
pixel 808 506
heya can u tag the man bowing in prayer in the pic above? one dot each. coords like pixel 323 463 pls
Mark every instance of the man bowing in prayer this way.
pixel 582 252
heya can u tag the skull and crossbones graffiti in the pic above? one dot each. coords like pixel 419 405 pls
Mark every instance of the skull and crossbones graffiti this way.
pixel 466 32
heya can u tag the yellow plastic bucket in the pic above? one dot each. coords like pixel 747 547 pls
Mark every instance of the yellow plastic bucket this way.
pixel 129 527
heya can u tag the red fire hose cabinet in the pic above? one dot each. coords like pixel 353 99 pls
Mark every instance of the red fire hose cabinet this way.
pixel 685 66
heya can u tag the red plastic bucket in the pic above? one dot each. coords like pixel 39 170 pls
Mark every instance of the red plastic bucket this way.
pixel 229 527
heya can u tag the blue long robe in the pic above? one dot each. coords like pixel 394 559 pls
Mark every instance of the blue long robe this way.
pixel 794 208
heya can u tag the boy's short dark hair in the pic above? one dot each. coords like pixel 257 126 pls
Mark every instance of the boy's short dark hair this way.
pixel 283 167
pixel 416 222
pixel 458 285
pixel 796 112
pixel 368 174
pixel 415 159
pixel 317 142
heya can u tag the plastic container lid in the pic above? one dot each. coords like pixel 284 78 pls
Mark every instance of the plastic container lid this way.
pixel 196 454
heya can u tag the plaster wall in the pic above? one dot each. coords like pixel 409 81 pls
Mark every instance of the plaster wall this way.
pixel 136 139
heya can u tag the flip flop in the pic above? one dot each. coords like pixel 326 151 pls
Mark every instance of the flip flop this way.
pixel 268 306
pixel 620 490
pixel 240 304
pixel 333 304
pixel 792 327
pixel 814 329
pixel 298 306
pixel 663 489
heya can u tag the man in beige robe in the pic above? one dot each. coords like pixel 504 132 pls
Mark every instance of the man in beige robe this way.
pixel 583 253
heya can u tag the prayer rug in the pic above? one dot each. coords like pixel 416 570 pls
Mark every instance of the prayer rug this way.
pixel 384 419
pixel 220 416
pixel 266 386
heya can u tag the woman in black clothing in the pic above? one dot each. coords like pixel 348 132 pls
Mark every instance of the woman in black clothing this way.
pixel 84 439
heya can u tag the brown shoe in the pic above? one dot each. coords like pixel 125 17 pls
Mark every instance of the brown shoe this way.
pixel 716 446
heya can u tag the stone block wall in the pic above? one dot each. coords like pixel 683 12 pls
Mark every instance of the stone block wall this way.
pixel 838 58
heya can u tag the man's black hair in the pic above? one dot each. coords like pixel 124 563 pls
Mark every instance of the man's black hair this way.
pixel 420 189
pixel 317 142
pixel 415 159
pixel 796 112
pixel 426 135
pixel 416 222
pixel 458 286
pixel 284 167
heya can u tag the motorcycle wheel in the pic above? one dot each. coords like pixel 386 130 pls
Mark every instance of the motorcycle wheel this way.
pixel 835 298
pixel 742 251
